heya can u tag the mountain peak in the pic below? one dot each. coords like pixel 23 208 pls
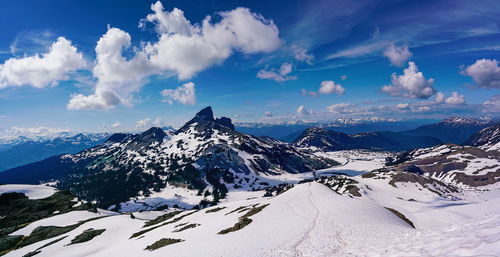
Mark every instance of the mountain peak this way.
pixel 207 115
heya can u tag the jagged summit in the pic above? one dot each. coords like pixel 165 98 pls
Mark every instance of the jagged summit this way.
pixel 206 115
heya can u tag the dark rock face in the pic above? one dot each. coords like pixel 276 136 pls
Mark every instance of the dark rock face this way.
pixel 225 122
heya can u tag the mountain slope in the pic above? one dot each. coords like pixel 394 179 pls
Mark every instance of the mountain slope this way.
pixel 328 140
pixel 454 130
pixel 206 154
pixel 488 138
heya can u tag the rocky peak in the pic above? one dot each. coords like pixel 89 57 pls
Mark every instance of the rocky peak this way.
pixel 206 115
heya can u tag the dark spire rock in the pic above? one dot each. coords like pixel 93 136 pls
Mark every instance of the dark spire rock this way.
pixel 207 115
pixel 225 122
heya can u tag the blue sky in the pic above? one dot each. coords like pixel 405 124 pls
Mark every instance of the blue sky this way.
pixel 123 65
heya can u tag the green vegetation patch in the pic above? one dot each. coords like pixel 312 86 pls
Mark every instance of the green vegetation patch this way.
pixel 161 243
pixel 244 220
pixel 43 233
pixel 38 250
pixel 215 209
pixel 163 224
pixel 239 209
pixel 161 218
pixel 87 235
pixel 188 226
pixel 18 210
pixel 401 216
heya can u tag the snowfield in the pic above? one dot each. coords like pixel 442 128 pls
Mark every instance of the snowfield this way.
pixel 31 191
pixel 309 219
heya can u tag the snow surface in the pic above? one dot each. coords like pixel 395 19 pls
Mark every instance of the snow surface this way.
pixel 31 191
pixel 307 220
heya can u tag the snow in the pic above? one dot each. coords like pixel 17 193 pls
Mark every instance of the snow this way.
pixel 307 220
pixel 31 191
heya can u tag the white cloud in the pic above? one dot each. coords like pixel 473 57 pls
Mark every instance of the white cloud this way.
pixel 403 106
pixel 279 76
pixel 340 108
pixel 39 71
pixel 188 49
pixel 147 123
pixel 117 77
pixel 308 93
pixel 268 114
pixel 303 111
pixel 397 55
pixel 440 97
pixel 485 73
pixel 412 84
pixel 143 124
pixel 328 87
pixel 116 124
pixel 422 109
pixel 492 105
pixel 455 98
pixel 301 54
pixel 183 49
pixel 184 94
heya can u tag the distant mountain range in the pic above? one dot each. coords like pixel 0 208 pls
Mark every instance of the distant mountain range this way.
pixel 328 140
pixel 205 154
pixel 25 149
pixel 452 130
pixel 288 132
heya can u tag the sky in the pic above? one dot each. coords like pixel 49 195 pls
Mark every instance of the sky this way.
pixel 128 65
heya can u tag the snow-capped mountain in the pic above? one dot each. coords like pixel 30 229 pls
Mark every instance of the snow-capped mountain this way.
pixel 454 130
pixel 206 154
pixel 488 138
pixel 34 147
pixel 329 140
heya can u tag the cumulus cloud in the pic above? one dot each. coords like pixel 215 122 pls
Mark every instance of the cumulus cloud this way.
pixel 397 55
pixel 485 73
pixel 301 54
pixel 340 108
pixel 303 111
pixel 328 87
pixel 39 71
pixel 116 124
pixel 147 123
pixel 412 84
pixel 278 76
pixel 268 114
pixel 185 94
pixel 455 98
pixel 492 105
pixel 440 97
pixel 403 106
pixel 183 49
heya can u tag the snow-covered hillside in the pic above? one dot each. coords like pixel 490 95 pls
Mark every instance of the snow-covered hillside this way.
pixel 309 219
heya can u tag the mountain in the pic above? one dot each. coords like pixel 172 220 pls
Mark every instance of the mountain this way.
pixel 488 138
pixel 288 132
pixel 472 165
pixel 454 130
pixel 24 150
pixel 206 155
pixel 328 140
